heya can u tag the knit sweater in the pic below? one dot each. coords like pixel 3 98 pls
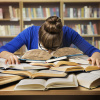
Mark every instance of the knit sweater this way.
pixel 30 38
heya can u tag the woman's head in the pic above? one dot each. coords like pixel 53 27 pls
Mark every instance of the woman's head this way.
pixel 50 33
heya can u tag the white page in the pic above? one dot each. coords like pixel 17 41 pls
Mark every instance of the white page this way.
pixel 26 66
pixel 86 79
pixel 96 72
pixel 62 68
pixel 84 66
pixel 51 71
pixel 2 60
pixel 79 59
pixel 2 63
pixel 62 82
pixel 31 84
pixel 2 74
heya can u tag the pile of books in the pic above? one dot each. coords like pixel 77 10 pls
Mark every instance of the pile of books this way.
pixel 34 75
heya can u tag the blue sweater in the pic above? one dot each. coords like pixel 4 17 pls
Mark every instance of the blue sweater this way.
pixel 30 38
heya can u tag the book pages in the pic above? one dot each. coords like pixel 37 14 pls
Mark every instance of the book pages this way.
pixel 88 80
pixel 79 59
pixel 70 81
pixel 68 68
pixel 31 84
pixel 96 72
pixel 7 78
pixel 49 73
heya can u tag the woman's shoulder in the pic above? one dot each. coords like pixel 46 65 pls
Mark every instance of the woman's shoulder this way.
pixel 67 29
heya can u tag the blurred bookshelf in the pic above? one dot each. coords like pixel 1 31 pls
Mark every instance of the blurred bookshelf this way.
pixel 81 15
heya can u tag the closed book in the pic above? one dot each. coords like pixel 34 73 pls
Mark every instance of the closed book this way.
pixel 57 11
pixel 11 12
pixel 32 13
pixel 71 12
pixel 44 12
pixel 95 29
pixel 1 13
pixel 34 10
pixel 24 13
pixel 51 12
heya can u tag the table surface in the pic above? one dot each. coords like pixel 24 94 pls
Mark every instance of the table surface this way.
pixel 9 90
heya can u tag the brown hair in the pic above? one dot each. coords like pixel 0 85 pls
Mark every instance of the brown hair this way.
pixel 50 33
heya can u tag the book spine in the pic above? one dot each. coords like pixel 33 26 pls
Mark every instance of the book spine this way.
pixel 71 12
pixel 1 13
pixel 11 12
pixel 32 13
pixel 44 12
pixel 95 29
pixel 34 10
pixel 57 11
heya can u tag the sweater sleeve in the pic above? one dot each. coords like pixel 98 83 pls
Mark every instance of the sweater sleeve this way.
pixel 17 42
pixel 81 43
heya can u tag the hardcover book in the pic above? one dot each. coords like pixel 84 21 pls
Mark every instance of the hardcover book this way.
pixel 42 84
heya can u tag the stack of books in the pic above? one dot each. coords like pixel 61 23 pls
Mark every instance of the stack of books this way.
pixel 63 73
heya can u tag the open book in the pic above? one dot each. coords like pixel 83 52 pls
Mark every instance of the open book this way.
pixel 55 64
pixel 35 73
pixel 89 80
pixel 75 68
pixel 79 59
pixel 22 66
pixel 42 84
pixel 41 55
pixel 7 78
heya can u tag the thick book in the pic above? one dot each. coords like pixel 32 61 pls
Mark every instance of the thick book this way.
pixel 36 73
pixel 42 55
pixel 7 78
pixel 42 84
pixel 89 80
pixel 21 66
pixel 85 68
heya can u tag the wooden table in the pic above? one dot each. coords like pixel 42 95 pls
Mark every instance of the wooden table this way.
pixel 72 93
pixel 68 91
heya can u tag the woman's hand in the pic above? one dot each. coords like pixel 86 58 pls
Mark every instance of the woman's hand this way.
pixel 95 58
pixel 10 57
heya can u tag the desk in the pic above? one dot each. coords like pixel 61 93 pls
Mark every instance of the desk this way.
pixel 68 91
pixel 72 93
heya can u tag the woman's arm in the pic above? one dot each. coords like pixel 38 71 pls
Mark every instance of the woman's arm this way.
pixel 10 57
pixel 7 50
pixel 86 47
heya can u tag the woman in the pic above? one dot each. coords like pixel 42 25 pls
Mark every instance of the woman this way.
pixel 52 35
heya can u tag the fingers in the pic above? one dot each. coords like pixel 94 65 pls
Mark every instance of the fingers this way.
pixel 12 60
pixel 95 62
pixel 6 61
pixel 16 59
pixel 89 59
pixel 98 62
